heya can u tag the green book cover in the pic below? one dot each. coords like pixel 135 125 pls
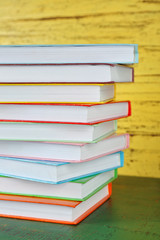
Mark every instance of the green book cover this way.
pixel 81 181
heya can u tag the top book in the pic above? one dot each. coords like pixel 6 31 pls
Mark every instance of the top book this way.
pixel 69 54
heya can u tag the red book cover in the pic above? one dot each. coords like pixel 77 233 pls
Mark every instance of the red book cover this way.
pixel 69 104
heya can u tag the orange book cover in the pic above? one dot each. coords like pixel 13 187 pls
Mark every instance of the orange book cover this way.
pixel 67 203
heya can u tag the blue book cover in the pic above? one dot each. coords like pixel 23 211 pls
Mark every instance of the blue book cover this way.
pixel 56 164
pixel 73 54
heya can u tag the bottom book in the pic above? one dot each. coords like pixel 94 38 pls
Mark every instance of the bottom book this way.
pixel 51 210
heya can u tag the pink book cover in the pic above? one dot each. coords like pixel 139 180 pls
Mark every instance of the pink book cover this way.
pixel 77 144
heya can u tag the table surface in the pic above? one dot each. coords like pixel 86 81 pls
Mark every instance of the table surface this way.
pixel 133 212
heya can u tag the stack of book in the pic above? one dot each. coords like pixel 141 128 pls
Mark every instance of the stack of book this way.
pixel 59 151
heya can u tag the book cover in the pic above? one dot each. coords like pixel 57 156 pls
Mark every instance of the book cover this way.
pixel 121 155
pixel 74 73
pixel 109 133
pixel 108 99
pixel 20 157
pixel 70 104
pixel 72 204
pixel 81 181
pixel 73 46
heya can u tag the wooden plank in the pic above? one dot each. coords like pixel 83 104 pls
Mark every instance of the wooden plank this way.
pixel 82 8
pixel 90 30
pixel 138 89
pixel 150 78
pixel 143 157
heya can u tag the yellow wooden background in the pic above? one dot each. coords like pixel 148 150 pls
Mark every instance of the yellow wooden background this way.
pixel 103 21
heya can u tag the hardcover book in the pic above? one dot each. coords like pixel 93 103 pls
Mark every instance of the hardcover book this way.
pixel 64 113
pixel 64 152
pixel 74 73
pixel 76 190
pixel 58 172
pixel 81 53
pixel 51 210
pixel 56 93
pixel 56 132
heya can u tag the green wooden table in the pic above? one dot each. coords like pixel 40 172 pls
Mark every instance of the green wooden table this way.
pixel 133 212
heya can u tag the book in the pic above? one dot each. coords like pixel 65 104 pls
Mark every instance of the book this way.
pixel 66 113
pixel 52 210
pixel 74 73
pixel 81 53
pixel 77 190
pixel 58 172
pixel 64 152
pixel 56 132
pixel 56 93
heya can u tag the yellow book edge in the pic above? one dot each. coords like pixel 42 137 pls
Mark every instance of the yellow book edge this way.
pixel 84 103
pixel 52 102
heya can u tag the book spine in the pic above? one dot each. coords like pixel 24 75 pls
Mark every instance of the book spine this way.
pixel 136 53
pixel 122 158
pixel 115 125
pixel 129 109
pixel 127 140
pixel 132 74
pixel 115 173
pixel 110 189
